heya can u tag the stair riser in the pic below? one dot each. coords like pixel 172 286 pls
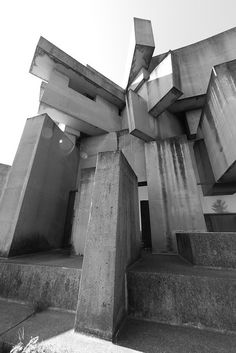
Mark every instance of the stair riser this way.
pixel 183 300
pixel 46 285
pixel 208 249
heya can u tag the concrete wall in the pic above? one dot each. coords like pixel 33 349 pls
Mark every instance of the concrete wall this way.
pixel 82 210
pixel 218 124
pixel 4 171
pixel 195 61
pixel 174 201
pixel 34 203
pixel 112 243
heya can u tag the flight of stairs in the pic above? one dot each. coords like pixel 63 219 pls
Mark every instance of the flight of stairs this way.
pixel 196 288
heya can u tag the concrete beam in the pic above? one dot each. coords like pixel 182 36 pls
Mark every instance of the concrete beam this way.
pixel 112 242
pixel 141 124
pixel 163 85
pixel 48 57
pixel 218 122
pixel 34 202
pixel 78 111
pixel 142 48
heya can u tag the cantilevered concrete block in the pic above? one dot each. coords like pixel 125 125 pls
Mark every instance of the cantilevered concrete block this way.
pixel 141 124
pixel 142 48
pixel 75 110
pixel 163 85
pixel 112 243
pixel 174 201
pixel 218 122
pixel 48 57
pixel 34 202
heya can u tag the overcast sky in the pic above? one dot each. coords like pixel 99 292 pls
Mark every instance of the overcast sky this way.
pixel 93 32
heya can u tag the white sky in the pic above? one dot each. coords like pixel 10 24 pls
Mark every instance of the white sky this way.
pixel 93 32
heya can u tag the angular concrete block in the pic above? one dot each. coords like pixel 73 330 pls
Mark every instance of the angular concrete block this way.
pixel 112 243
pixel 34 203
pixel 208 249
pixel 142 48
pixel 141 124
pixel 174 201
pixel 218 123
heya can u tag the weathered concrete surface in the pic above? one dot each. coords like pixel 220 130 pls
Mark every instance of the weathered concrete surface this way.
pixel 174 201
pixel 4 171
pixel 133 150
pixel 82 210
pixel 141 124
pixel 180 294
pixel 208 249
pixel 193 120
pixel 195 63
pixel 48 57
pixel 142 48
pixel 218 122
pixel 163 85
pixel 151 337
pixel 112 243
pixel 90 146
pixel 78 111
pixel 48 285
pixel 33 205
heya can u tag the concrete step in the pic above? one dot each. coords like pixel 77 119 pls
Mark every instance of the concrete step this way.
pixel 151 337
pixel 210 249
pixel 166 289
pixel 45 279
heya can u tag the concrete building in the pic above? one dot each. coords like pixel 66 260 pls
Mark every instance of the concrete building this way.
pixel 103 174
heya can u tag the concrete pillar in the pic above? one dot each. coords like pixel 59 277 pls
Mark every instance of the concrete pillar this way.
pixel 112 243
pixel 174 202
pixel 82 211
pixel 34 202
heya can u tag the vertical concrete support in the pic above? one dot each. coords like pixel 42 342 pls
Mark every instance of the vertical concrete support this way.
pixel 174 202
pixel 34 202
pixel 112 243
pixel 83 210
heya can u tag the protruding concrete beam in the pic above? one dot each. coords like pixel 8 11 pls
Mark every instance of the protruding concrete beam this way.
pixel 143 42
pixel 141 124
pixel 48 57
pixel 76 110
pixel 193 120
pixel 218 122
pixel 163 85
pixel 112 243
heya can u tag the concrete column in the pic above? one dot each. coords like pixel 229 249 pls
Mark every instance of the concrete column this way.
pixel 34 202
pixel 174 202
pixel 82 211
pixel 112 243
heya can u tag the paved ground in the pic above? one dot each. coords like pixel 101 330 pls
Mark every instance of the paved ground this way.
pixel 55 330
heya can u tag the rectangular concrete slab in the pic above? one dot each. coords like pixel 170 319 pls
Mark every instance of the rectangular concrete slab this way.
pixel 112 243
pixel 208 249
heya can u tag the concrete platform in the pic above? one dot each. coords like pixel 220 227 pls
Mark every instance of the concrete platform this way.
pixel 50 279
pixel 55 330
pixel 169 290
pixel 208 249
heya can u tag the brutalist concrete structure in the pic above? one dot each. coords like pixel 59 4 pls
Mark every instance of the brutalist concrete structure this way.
pixel 103 174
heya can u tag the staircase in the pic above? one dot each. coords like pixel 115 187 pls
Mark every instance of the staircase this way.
pixel 196 288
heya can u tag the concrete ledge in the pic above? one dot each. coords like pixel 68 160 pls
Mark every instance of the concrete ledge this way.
pixel 208 249
pixel 33 283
